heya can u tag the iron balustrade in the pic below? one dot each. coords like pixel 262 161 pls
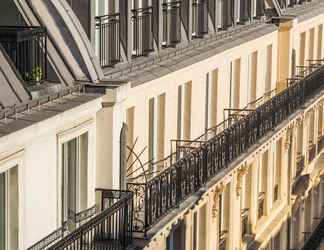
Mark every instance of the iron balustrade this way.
pixel 110 229
pixel 58 234
pixel 300 164
pixel 27 49
pixel 164 192
pixel 108 33
pixel 261 205
pixel 142 31
pixel 314 240
pixel 311 152
pixel 320 143
pixel 199 18
pixel 171 23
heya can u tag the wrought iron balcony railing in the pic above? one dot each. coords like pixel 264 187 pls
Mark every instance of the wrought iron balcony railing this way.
pixel 311 153
pixel 142 31
pixel 320 143
pixel 314 240
pixel 199 18
pixel 110 229
pixel 164 192
pixel 108 39
pixel 27 49
pixel 52 238
pixel 171 23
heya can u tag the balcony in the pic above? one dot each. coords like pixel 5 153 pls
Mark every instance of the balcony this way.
pixel 300 164
pixel 108 39
pixel 320 143
pixel 314 239
pixel 199 18
pixel 110 228
pixel 142 20
pixel 27 49
pixel 171 23
pixel 209 155
pixel 311 153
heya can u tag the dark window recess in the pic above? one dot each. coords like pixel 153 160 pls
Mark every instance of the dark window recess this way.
pixel 171 23
pixel 245 221
pixel 142 21
pixel 27 49
pixel 108 27
pixel 199 18
pixel 261 205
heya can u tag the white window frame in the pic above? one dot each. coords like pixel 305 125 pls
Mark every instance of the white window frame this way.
pixel 64 136
pixel 9 160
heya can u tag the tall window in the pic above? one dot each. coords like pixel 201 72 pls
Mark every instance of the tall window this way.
pixel 253 77
pixel 235 83
pixel 277 175
pixel 184 111
pixel 9 209
pixel 319 42
pixel 302 49
pixel 268 70
pixel 262 184
pixel 311 43
pixel 74 178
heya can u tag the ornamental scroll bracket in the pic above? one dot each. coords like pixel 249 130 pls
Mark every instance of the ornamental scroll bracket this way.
pixel 219 190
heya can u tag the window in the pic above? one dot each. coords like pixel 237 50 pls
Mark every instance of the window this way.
pixel 235 83
pixel 277 175
pixel 213 98
pixel 254 72
pixel 74 178
pixel 177 237
pixel 262 184
pixel 319 43
pixel 160 126
pixel 311 43
pixel 130 136
pixel 151 132
pixel 9 209
pixel 268 70
pixel 202 228
pixel 194 232
pixel 184 111
pixel 302 49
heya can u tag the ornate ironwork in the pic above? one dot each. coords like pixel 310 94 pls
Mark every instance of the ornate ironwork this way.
pixel 171 23
pixel 314 240
pixel 143 31
pixel 27 48
pixel 110 229
pixel 108 28
pixel 206 157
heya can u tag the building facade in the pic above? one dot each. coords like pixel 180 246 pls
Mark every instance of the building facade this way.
pixel 161 124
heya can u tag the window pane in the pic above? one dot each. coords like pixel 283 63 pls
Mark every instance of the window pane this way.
pixel 2 211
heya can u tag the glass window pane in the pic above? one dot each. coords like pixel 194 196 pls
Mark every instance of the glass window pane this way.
pixel 2 211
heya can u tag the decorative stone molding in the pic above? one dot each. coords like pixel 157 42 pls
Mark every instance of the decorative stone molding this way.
pixel 240 173
pixel 219 190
